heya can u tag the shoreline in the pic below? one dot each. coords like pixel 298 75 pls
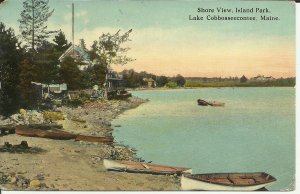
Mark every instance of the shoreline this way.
pixel 71 165
pixel 201 87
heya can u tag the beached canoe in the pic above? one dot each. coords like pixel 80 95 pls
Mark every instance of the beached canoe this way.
pixel 51 133
pixel 226 181
pixel 137 167
pixel 94 139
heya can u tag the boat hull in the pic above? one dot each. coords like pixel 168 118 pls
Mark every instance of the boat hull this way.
pixel 136 167
pixel 190 183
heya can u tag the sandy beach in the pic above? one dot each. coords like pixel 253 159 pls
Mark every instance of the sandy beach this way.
pixel 75 165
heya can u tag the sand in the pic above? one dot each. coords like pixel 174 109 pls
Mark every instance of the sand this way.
pixel 73 165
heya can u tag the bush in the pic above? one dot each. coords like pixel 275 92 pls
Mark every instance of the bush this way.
pixel 171 84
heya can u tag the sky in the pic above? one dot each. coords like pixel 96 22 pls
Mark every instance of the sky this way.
pixel 166 42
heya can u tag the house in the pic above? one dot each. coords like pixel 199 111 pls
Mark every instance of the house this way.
pixel 150 83
pixel 114 81
pixel 78 53
pixel 262 78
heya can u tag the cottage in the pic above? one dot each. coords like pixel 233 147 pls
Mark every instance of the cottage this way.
pixel 77 53
pixel 150 83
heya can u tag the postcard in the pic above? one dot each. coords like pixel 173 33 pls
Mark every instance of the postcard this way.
pixel 147 95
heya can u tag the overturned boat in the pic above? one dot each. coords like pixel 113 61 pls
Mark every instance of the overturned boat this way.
pixel 94 139
pixel 137 167
pixel 51 133
pixel 58 134
pixel 226 181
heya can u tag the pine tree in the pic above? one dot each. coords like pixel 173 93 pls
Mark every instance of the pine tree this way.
pixel 27 75
pixel 10 56
pixel 46 61
pixel 61 43
pixel 70 73
pixel 33 22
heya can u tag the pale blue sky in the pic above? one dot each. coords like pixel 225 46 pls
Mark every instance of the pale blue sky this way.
pixel 165 41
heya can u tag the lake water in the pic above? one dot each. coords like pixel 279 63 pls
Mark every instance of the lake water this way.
pixel 255 131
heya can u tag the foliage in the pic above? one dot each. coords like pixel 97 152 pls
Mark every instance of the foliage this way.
pixel 94 75
pixel 70 73
pixel 46 60
pixel 33 22
pixel 243 79
pixel 171 84
pixel 109 48
pixel 27 75
pixel 82 44
pixel 179 79
pixel 161 81
pixel 78 101
pixel 10 56
pixel 61 43
pixel 134 79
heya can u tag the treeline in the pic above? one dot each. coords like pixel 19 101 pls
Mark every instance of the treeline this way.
pixel 281 82
pixel 133 79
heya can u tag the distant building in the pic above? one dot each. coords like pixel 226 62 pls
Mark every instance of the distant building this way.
pixel 150 83
pixel 77 54
pixel 262 78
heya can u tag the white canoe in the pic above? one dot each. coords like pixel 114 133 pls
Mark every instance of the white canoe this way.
pixel 226 181
pixel 129 166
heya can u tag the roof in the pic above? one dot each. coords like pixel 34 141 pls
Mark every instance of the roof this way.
pixel 84 55
pixel 148 80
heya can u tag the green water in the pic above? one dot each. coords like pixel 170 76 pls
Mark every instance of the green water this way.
pixel 255 131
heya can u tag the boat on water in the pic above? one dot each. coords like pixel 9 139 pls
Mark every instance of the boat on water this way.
pixel 138 167
pixel 213 103
pixel 226 181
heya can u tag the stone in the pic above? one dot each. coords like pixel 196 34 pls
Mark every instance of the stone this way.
pixel 35 184
pixel 13 180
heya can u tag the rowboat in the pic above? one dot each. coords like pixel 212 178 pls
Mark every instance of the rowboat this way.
pixel 137 167
pixel 215 103
pixel 212 103
pixel 226 181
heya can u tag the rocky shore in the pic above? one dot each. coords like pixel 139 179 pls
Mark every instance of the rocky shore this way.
pixel 47 164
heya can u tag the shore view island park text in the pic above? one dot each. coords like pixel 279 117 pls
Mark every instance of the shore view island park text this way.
pixel 164 95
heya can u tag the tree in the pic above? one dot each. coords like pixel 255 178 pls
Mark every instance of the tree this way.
pixel 243 79
pixel 10 56
pixel 109 50
pixel 61 43
pixel 46 60
pixel 33 22
pixel 28 74
pixel 180 81
pixel 161 81
pixel 70 73
pixel 82 44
